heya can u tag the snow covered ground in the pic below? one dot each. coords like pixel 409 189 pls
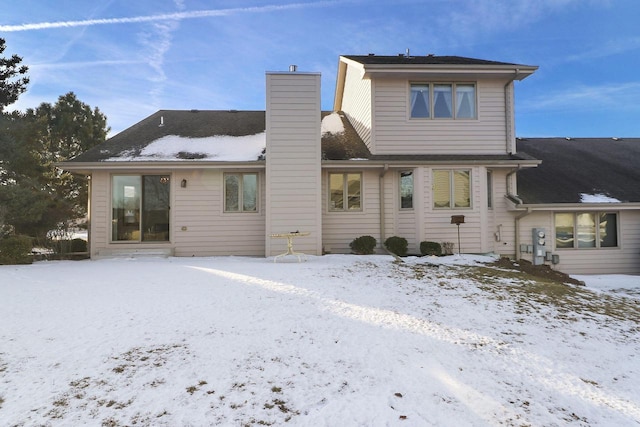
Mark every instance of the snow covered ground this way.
pixel 335 341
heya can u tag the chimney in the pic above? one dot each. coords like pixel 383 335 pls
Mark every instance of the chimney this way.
pixel 293 183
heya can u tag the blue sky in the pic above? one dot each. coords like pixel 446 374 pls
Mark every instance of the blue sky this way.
pixel 132 58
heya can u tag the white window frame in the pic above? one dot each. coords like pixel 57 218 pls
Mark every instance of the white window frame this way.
pixel 598 231
pixel 413 189
pixel 345 192
pixel 454 101
pixel 240 209
pixel 452 193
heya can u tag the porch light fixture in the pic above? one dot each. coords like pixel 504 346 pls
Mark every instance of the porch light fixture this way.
pixel 183 183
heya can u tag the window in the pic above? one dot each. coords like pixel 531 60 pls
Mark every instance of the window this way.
pixel 443 101
pixel 586 230
pixel 241 192
pixel 406 190
pixel 140 208
pixel 451 189
pixel 345 191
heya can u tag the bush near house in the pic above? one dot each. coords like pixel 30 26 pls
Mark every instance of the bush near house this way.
pixel 431 248
pixel 363 245
pixel 397 245
pixel 16 250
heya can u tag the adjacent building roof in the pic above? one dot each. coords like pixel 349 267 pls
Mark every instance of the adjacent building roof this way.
pixel 581 170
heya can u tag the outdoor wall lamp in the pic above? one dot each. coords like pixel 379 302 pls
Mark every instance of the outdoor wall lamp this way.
pixel 183 183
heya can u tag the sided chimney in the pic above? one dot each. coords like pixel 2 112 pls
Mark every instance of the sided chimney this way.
pixel 293 161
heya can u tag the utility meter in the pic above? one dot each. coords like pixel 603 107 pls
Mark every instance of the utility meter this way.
pixel 539 245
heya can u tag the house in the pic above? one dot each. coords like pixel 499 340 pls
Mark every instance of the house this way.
pixel 412 142
pixel 586 195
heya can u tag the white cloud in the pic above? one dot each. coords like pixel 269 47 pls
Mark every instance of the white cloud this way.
pixel 606 49
pixel 178 16
pixel 609 96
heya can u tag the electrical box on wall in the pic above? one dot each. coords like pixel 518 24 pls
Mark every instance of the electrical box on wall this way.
pixel 539 246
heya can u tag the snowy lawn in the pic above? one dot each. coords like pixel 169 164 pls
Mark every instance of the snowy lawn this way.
pixel 336 341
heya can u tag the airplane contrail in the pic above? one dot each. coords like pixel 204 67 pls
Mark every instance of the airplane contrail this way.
pixel 163 17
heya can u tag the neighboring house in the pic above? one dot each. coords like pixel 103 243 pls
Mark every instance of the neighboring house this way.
pixel 412 141
pixel 586 195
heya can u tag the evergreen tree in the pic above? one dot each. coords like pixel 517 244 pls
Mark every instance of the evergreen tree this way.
pixel 13 78
pixel 37 196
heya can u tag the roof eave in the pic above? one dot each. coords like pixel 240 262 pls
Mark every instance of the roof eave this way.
pixel 368 163
pixel 491 71
pixel 88 167
pixel 578 206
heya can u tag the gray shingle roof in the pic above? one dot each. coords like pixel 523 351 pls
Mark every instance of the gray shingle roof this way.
pixel 571 167
pixel 208 123
pixel 422 60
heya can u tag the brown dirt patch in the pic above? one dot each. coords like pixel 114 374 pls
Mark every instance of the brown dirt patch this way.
pixel 543 271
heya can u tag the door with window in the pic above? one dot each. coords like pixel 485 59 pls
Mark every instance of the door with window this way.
pixel 140 208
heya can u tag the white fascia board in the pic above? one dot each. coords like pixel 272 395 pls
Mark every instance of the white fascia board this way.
pixel 135 166
pixel 583 207
pixel 442 71
pixel 507 164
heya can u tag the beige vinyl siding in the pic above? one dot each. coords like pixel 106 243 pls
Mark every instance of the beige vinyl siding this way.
pixel 340 228
pixel 208 230
pixel 406 227
pixel 437 222
pixel 356 103
pixel 100 212
pixel 501 220
pixel 625 259
pixel 201 227
pixel 293 185
pixel 395 133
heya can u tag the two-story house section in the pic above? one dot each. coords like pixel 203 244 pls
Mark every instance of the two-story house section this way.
pixel 412 141
pixel 440 130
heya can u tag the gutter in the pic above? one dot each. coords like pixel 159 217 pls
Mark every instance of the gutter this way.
pixel 509 193
pixel 519 202
pixel 517 231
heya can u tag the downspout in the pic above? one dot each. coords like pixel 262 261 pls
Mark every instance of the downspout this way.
pixel 382 216
pixel 520 216
pixel 508 113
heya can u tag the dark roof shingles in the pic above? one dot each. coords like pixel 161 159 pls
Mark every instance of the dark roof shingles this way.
pixel 422 60
pixel 207 123
pixel 580 165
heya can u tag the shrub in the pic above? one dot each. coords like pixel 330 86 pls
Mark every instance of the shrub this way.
pixel 430 248
pixel 397 245
pixel 16 250
pixel 78 245
pixel 363 245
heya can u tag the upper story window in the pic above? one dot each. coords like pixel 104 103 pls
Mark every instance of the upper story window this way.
pixel 241 192
pixel 443 101
pixel 586 230
pixel 451 189
pixel 345 191
pixel 406 190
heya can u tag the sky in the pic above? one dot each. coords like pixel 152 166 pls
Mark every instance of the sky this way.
pixel 132 58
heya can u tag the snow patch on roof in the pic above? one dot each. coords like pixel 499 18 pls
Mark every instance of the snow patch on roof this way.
pixel 214 148
pixel 597 198
pixel 332 124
